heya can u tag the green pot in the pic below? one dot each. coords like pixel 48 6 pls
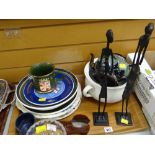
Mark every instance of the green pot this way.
pixel 43 77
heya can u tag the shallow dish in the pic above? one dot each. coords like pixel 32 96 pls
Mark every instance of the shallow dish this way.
pixel 47 127
pixel 62 113
pixel 21 98
pixel 27 105
pixel 58 109
pixel 65 87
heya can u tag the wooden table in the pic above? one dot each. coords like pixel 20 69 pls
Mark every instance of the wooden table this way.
pixel 89 105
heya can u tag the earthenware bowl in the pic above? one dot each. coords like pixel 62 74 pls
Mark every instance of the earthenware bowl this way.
pixel 92 89
pixel 23 122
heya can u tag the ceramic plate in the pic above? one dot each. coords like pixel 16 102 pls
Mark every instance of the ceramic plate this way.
pixel 57 110
pixel 27 104
pixel 65 87
pixel 38 108
pixel 51 110
pixel 58 114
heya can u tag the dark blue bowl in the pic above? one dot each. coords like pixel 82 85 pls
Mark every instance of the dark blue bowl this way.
pixel 23 122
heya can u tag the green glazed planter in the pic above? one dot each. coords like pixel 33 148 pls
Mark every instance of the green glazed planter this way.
pixel 43 77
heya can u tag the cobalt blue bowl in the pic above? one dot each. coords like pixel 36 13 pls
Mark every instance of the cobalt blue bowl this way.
pixel 24 122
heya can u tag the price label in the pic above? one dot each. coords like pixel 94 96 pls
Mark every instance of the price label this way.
pixel 108 129
pixel 42 99
pixel 122 66
pixel 124 121
pixel 148 71
pixel 40 129
pixel 51 127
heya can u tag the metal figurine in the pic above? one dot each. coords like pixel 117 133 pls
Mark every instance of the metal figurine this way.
pixel 124 118
pixel 92 64
pixel 102 70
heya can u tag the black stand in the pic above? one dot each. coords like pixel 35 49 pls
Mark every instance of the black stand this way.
pixel 100 119
pixel 123 119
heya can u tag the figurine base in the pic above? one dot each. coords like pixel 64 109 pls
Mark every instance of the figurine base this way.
pixel 123 119
pixel 100 119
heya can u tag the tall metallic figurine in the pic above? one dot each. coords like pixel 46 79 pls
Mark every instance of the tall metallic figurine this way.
pixel 124 118
pixel 102 71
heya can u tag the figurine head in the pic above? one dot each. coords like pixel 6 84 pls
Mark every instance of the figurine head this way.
pixel 149 28
pixel 109 35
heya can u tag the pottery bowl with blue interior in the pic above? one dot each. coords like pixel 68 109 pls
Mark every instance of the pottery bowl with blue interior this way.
pixel 24 122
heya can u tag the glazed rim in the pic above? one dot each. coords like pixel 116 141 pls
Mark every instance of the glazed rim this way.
pixel 48 106
pixel 86 71
pixel 37 65
pixel 42 76
pixel 47 121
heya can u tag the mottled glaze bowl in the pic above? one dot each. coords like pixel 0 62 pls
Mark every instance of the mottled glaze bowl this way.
pixel 24 122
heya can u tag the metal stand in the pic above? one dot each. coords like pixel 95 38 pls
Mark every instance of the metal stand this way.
pixel 123 118
pixel 100 119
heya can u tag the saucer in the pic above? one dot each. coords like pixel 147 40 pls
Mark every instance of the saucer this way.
pixel 55 114
pixel 65 86
pixel 20 96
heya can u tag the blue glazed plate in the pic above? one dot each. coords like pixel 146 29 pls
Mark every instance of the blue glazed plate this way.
pixel 24 102
pixel 65 86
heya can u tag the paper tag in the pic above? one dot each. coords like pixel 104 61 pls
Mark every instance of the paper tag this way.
pixel 51 127
pixel 42 99
pixel 108 129
pixel 122 66
pixel 40 129
pixel 124 121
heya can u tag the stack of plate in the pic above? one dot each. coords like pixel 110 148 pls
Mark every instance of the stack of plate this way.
pixel 58 104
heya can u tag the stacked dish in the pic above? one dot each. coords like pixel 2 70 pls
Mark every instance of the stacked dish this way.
pixel 58 104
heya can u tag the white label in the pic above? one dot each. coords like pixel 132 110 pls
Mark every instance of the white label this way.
pixel 108 129
pixel 51 127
